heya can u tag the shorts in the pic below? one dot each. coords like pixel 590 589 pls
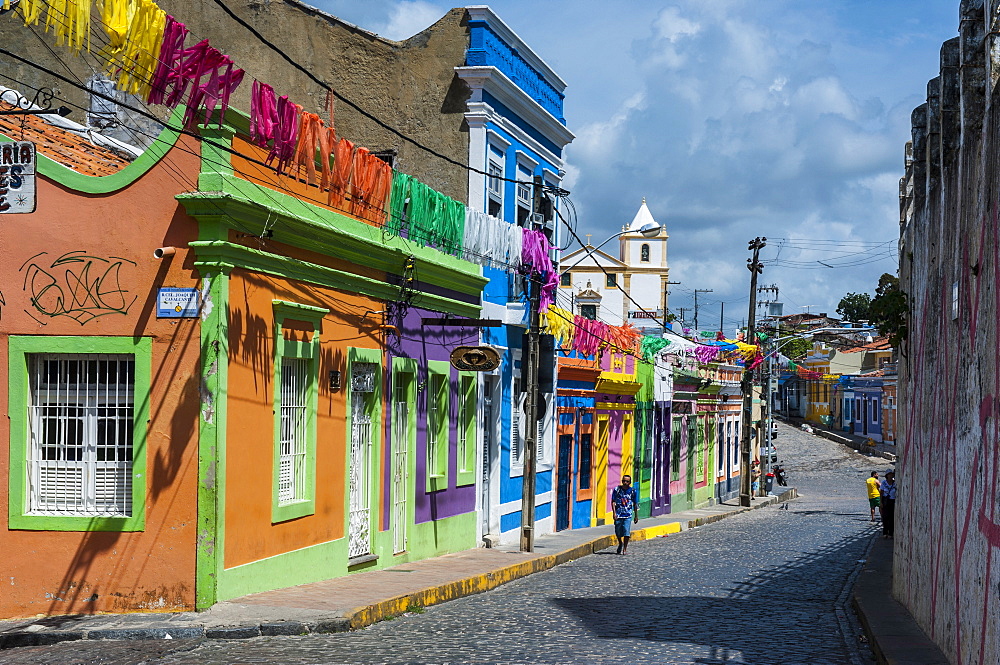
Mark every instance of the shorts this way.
pixel 875 502
pixel 623 527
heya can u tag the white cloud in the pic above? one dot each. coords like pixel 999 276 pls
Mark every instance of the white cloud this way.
pixel 409 17
pixel 734 118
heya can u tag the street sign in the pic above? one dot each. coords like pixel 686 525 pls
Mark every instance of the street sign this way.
pixel 475 358
pixel 17 177
pixel 177 303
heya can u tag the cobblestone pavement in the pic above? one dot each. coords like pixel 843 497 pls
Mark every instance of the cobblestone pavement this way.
pixel 767 587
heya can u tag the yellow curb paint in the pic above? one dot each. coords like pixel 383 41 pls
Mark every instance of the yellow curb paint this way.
pixel 367 615
pixel 655 531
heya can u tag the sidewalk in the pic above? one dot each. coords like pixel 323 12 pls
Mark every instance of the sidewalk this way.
pixel 354 601
pixel 892 633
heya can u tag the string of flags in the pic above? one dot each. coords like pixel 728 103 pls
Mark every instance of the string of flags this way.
pixel 147 54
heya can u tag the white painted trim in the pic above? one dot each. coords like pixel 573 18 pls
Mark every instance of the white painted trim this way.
pixel 524 158
pixel 476 108
pixel 492 136
pixel 515 505
pixel 500 86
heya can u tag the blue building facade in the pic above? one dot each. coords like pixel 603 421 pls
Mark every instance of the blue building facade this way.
pixel 868 407
pixel 516 132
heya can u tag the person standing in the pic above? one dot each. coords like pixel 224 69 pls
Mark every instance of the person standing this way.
pixel 625 507
pixel 888 489
pixel 874 493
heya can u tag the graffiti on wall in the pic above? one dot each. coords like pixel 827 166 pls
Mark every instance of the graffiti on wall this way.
pixel 76 285
pixel 946 450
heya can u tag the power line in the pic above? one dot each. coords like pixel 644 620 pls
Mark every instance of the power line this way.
pixel 347 101
pixel 370 116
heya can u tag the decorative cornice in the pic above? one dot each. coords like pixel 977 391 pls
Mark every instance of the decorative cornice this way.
pixel 215 255
pixel 485 14
pixel 308 227
pixel 478 109
pixel 495 82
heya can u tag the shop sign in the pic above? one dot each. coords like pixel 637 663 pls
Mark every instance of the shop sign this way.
pixel 177 303
pixel 644 314
pixel 475 358
pixel 17 177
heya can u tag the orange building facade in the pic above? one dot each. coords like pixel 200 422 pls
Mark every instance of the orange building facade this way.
pixel 101 393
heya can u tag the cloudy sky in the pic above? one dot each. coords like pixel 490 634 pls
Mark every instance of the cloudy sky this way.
pixel 735 119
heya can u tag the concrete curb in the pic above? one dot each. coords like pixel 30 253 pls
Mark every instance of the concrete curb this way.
pixel 369 614
pixel 893 634
pixel 365 616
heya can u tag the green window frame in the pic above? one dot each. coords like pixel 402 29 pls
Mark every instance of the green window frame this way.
pixel 468 393
pixel 702 470
pixel 303 434
pixel 20 351
pixel 436 396
pixel 675 450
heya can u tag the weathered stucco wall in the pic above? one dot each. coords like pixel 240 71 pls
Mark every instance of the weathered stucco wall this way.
pixel 948 531
pixel 410 86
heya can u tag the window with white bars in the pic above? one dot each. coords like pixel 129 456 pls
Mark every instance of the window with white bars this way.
pixel 81 420
pixel 516 426
pixel 436 425
pixel 293 432
pixel 540 441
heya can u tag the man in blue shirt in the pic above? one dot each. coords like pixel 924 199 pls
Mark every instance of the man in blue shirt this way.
pixel 888 489
pixel 625 507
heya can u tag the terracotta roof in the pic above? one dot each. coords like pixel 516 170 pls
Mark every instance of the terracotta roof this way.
pixel 879 344
pixel 65 147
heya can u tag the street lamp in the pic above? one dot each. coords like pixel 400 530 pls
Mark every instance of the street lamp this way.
pixel 647 230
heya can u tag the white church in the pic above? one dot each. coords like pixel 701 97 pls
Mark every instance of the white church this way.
pixel 593 282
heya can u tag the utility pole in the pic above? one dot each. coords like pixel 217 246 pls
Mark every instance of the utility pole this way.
pixel 755 267
pixel 529 355
pixel 683 315
pixel 696 292
pixel 665 292
pixel 722 316
pixel 767 415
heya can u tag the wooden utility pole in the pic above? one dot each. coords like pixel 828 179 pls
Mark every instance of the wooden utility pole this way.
pixel 755 267
pixel 696 292
pixel 530 355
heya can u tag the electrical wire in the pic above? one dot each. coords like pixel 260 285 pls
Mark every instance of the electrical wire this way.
pixel 414 235
pixel 326 86
pixel 232 151
pixel 100 38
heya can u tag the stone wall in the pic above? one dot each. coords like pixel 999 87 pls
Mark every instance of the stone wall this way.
pixel 410 85
pixel 948 524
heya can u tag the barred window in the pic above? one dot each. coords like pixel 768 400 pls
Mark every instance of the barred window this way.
pixel 292 455
pixel 81 419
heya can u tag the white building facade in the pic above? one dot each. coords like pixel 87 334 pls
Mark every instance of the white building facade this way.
pixel 628 288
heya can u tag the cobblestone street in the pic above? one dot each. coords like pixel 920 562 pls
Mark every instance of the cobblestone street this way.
pixel 763 587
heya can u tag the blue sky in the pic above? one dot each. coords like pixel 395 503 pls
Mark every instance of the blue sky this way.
pixel 734 119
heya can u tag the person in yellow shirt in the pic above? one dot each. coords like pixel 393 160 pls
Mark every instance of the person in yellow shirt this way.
pixel 874 498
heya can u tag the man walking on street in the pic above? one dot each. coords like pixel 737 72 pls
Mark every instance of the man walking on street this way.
pixel 874 493
pixel 625 507
pixel 888 504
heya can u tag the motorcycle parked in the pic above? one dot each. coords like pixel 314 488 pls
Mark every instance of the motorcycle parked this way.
pixel 780 475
